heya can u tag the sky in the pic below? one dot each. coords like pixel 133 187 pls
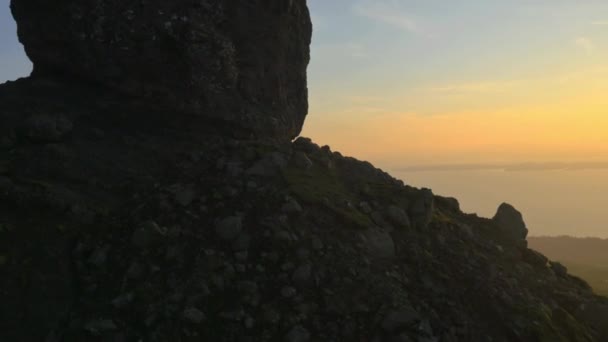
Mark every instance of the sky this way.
pixel 401 82
pixel 13 61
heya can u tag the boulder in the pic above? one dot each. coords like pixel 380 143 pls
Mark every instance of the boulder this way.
pixel 149 234
pixel 399 319
pixel 229 228
pixel 510 222
pixel 421 212
pixel 559 269
pixel 379 243
pixel 240 62
pixel 398 217
pixel 535 258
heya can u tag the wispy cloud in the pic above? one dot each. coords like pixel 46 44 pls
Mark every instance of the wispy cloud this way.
pixel 586 44
pixel 352 50
pixel 600 23
pixel 476 87
pixel 318 21
pixel 529 166
pixel 365 99
pixel 387 13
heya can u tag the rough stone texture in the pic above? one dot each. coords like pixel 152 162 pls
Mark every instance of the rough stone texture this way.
pixel 242 62
pixel 511 222
pixel 118 224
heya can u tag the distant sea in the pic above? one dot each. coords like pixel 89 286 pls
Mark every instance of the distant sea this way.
pixel 555 198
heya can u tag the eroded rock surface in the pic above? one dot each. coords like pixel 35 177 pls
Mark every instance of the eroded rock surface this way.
pixel 511 222
pixel 121 220
pixel 238 62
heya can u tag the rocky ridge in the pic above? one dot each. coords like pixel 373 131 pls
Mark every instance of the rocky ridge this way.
pixel 122 220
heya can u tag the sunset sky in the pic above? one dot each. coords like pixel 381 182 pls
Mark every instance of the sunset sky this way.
pixel 435 81
pixel 402 82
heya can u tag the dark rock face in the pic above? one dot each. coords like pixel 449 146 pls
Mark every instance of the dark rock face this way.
pixel 126 230
pixel 241 62
pixel 119 222
pixel 511 222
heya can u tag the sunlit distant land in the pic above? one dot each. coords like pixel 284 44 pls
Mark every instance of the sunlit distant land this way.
pixel 527 166
pixel 584 257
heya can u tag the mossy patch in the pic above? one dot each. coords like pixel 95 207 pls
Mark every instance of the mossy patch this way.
pixel 549 327
pixel 441 217
pixel 320 186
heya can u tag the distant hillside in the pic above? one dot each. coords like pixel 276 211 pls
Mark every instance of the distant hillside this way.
pixel 585 257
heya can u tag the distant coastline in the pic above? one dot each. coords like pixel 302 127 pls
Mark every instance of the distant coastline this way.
pixel 509 167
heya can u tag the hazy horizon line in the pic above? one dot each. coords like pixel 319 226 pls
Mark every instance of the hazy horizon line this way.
pixel 508 167
pixel 562 236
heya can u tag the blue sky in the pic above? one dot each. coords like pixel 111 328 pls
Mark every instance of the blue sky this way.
pixel 13 62
pixel 371 45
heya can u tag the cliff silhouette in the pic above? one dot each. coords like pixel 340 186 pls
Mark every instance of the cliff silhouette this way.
pixel 151 190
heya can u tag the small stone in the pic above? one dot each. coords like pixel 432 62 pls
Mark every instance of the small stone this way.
pixel 379 220
pixel 229 228
pixel 399 319
pixel 148 234
pixel 292 207
pixel 535 258
pixel 365 208
pixel 317 244
pixel 297 334
pixel 99 257
pixel 272 316
pixel 269 166
pixel 248 287
pixel 183 194
pixel 421 212
pixel 301 160
pixel 241 243
pixel 47 128
pixel 305 144
pixel 303 254
pixel 288 291
pixel 559 269
pixel 193 315
pixel 302 275
pixel 287 266
pixel 241 256
pixel 379 243
pixel 122 300
pixel 135 271
pixel 398 216
pixel 100 326
pixel 249 322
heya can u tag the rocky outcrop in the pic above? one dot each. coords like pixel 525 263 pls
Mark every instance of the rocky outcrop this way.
pixel 242 63
pixel 120 223
pixel 510 222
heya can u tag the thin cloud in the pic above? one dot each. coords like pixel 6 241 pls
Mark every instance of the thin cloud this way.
pixel 387 14
pixel 318 21
pixel 600 23
pixel 352 50
pixel 476 87
pixel 510 167
pixel 586 44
